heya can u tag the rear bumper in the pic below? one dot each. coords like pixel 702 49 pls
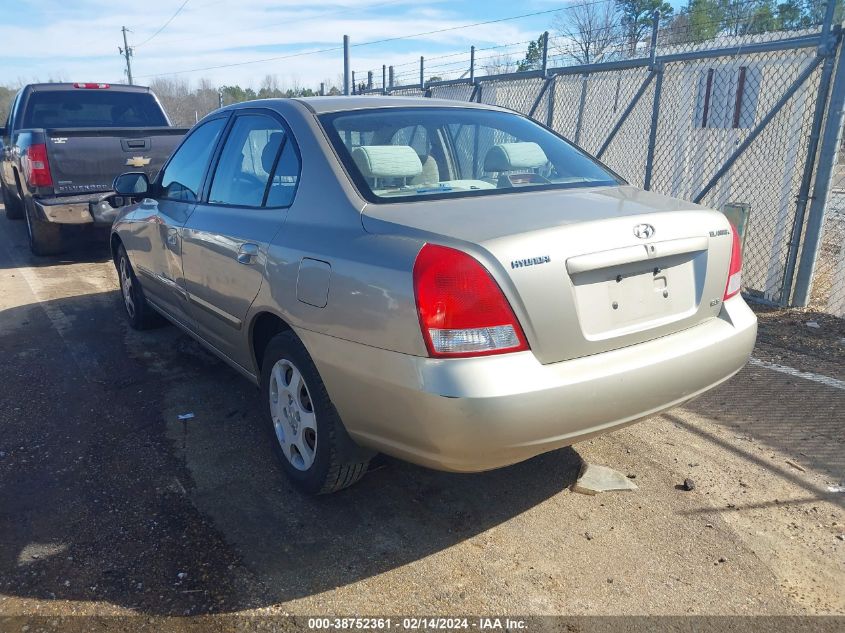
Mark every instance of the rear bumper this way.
pixel 482 413
pixel 85 209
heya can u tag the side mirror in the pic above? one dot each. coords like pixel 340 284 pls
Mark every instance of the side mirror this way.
pixel 133 184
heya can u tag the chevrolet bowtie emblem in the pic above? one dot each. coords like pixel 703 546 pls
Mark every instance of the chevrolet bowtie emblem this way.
pixel 138 161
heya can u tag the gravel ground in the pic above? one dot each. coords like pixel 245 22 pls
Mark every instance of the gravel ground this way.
pixel 110 506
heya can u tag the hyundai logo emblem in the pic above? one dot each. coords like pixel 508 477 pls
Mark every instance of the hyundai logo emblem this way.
pixel 644 231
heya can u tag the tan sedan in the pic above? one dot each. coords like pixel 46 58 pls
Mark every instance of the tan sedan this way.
pixel 449 283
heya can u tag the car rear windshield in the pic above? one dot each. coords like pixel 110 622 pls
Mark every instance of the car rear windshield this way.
pixel 427 152
pixel 93 108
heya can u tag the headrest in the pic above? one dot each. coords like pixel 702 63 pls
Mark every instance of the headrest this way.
pixel 387 161
pixel 268 154
pixel 512 156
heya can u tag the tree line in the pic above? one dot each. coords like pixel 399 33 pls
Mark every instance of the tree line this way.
pixel 593 32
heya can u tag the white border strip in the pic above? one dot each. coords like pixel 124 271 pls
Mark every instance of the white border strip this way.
pixel 823 380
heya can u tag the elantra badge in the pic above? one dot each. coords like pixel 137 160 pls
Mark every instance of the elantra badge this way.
pixel 644 231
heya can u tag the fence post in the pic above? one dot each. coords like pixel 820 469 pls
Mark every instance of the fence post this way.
pixel 390 77
pixel 322 88
pixel 652 134
pixel 545 51
pixel 354 85
pixel 829 53
pixel 550 106
pixel 655 27
pixel 472 65
pixel 346 64
pixel 383 79
pixel 369 80
pixel 825 170
pixel 422 72
pixel 582 100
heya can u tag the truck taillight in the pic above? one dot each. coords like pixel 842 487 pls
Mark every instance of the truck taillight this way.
pixel 735 271
pixel 36 167
pixel 462 310
pixel 91 86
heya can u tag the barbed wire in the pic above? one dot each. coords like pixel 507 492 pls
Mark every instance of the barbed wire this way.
pixel 574 51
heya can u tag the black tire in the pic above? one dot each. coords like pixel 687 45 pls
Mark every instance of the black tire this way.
pixel 13 206
pixel 337 461
pixel 45 238
pixel 140 314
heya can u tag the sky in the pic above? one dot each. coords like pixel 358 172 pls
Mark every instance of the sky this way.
pixel 77 40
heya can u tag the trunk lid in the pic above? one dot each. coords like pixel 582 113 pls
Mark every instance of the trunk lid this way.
pixel 84 160
pixel 585 270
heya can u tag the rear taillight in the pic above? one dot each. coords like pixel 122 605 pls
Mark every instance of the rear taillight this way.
pixel 735 271
pixel 462 310
pixel 91 86
pixel 36 167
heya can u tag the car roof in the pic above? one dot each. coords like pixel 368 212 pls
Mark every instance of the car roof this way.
pixel 323 105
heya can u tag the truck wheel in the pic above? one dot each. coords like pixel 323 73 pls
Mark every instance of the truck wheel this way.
pixel 140 314
pixel 45 238
pixel 314 449
pixel 14 210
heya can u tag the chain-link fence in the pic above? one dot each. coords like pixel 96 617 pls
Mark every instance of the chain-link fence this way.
pixel 828 291
pixel 732 124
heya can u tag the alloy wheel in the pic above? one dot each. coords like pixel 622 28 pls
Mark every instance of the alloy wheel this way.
pixel 293 415
pixel 126 287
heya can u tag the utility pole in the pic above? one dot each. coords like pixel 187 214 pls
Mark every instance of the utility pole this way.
pixel 126 51
pixel 346 69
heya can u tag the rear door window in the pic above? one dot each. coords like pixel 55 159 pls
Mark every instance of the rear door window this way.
pixel 249 157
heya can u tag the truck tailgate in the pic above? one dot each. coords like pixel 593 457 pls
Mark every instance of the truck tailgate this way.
pixel 88 159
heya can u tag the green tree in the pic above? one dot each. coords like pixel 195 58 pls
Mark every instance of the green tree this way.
pixel 704 19
pixel 533 56
pixel 790 15
pixel 638 16
pixel 762 18
pixel 236 94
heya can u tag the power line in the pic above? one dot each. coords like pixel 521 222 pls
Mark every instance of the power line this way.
pixel 381 41
pixel 164 26
pixel 316 16
pixel 252 61
pixel 467 26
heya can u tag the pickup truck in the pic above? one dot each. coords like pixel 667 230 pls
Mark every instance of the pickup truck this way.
pixel 62 147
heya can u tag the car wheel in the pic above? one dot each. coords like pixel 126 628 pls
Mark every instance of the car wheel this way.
pixel 140 314
pixel 45 238
pixel 14 210
pixel 314 448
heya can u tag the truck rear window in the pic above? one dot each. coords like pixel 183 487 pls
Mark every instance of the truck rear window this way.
pixel 92 108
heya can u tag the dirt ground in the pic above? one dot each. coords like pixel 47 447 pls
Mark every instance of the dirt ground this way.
pixel 109 505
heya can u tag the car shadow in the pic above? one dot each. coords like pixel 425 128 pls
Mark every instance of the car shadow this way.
pixel 82 245
pixel 106 496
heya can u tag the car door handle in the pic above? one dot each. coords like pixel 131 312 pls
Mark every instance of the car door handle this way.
pixel 247 253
